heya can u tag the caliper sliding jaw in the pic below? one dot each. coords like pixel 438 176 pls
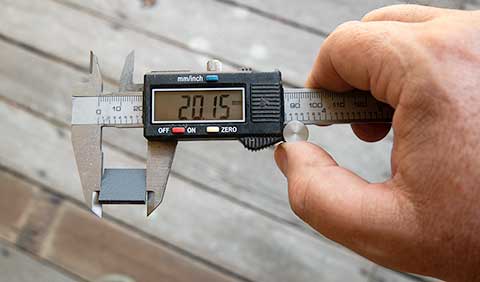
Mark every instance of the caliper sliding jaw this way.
pixel 118 186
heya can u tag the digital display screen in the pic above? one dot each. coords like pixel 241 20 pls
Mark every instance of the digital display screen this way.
pixel 198 105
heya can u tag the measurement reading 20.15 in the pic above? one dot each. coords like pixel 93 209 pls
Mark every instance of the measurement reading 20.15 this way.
pixel 193 107
pixel 198 105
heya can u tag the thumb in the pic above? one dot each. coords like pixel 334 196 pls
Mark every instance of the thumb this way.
pixel 339 204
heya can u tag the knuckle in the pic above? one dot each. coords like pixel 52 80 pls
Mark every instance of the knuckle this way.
pixel 344 31
pixel 361 36
pixel 343 38
pixel 374 41
pixel 434 41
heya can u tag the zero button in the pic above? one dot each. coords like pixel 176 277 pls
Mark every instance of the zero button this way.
pixel 213 129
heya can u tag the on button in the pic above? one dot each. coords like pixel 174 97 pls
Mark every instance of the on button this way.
pixel 178 130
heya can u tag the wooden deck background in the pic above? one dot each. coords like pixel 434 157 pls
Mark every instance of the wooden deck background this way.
pixel 225 215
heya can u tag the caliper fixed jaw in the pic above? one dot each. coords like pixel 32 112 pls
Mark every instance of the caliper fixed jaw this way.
pixel 117 186
pixel 87 144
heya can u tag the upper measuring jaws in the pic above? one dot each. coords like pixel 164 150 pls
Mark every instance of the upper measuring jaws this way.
pixel 252 107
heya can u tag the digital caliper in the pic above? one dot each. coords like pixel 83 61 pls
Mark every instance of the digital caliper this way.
pixel 252 107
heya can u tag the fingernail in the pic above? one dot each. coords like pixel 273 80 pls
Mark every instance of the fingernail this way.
pixel 281 158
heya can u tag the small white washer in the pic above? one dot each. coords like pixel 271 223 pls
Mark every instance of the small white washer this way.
pixel 295 131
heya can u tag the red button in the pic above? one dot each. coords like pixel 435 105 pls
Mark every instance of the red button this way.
pixel 178 130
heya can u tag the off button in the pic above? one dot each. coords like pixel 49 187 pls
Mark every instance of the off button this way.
pixel 213 129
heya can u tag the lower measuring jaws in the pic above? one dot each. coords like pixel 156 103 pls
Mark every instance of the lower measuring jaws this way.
pixel 252 107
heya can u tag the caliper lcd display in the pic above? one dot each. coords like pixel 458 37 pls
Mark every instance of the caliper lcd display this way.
pixel 198 105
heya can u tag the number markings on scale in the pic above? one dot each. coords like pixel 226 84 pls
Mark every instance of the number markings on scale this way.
pixel 116 110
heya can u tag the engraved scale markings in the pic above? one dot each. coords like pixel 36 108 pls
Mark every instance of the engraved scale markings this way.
pixel 310 106
pixel 108 110
pixel 321 107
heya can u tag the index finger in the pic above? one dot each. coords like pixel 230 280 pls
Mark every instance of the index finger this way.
pixel 366 56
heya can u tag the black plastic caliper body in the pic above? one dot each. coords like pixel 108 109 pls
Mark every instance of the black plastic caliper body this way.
pixel 247 106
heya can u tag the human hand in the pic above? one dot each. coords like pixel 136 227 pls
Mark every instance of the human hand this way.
pixel 424 62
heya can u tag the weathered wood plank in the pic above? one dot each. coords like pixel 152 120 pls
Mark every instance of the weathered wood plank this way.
pixel 93 248
pixel 473 5
pixel 14 198
pixel 39 216
pixel 200 222
pixel 17 266
pixel 64 234
pixel 232 35
pixel 322 17
pixel 240 35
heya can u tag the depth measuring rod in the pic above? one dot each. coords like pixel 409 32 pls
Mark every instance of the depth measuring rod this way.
pixel 252 107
